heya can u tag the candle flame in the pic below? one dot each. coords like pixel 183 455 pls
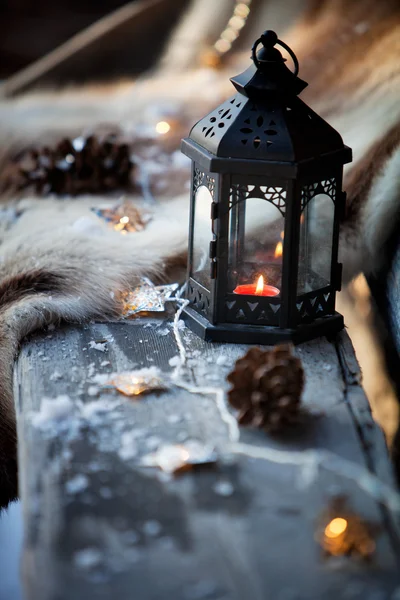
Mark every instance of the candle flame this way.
pixel 260 285
pixel 336 527
pixel 278 250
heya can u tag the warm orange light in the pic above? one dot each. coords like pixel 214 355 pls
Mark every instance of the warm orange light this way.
pixel 242 10
pixel 222 46
pixel 278 250
pixel 260 285
pixel 336 527
pixel 237 22
pixel 257 289
pixel 121 226
pixel 229 34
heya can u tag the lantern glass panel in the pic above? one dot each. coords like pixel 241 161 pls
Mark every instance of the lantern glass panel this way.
pixel 256 230
pixel 202 236
pixel 316 240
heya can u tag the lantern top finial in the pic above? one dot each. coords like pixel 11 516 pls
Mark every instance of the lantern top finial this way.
pixel 269 38
pixel 269 54
pixel 266 123
pixel 269 74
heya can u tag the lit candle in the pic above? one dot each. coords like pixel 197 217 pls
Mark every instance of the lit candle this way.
pixel 257 289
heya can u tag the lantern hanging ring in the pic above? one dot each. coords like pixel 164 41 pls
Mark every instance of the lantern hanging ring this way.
pixel 269 39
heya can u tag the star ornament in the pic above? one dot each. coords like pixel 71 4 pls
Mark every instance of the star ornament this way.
pixel 147 297
pixel 176 458
pixel 124 217
pixel 137 383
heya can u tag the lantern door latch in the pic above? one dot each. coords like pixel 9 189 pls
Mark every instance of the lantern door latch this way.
pixel 213 256
pixel 213 249
pixel 214 211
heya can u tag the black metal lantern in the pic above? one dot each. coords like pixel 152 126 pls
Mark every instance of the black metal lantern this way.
pixel 266 202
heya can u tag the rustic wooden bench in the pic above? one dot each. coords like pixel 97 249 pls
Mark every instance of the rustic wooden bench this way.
pixel 98 524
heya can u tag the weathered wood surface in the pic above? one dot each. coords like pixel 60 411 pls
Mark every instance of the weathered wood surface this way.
pixel 124 531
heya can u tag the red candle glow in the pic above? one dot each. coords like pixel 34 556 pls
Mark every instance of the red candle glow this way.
pixel 257 289
pixel 278 250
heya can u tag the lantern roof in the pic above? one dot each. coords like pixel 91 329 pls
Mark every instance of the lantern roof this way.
pixel 265 121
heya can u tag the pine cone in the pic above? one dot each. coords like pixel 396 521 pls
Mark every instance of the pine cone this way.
pixel 267 386
pixel 73 167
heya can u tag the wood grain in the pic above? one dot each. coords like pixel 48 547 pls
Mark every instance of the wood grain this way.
pixel 130 532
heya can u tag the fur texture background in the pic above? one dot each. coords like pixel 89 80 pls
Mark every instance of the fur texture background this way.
pixel 61 263
pixel 58 262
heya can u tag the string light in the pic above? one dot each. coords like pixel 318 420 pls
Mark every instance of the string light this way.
pixel 237 23
pixel 122 225
pixel 222 46
pixel 229 34
pixel 343 532
pixel 336 527
pixel 212 57
pixel 242 10
pixel 163 127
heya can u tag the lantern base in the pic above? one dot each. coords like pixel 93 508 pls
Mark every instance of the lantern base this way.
pixel 234 333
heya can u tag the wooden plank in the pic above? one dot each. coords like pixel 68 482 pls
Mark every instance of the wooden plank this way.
pixel 370 435
pixel 10 552
pixel 98 524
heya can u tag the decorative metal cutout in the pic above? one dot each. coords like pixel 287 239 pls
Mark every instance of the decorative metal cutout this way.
pixel 327 186
pixel 244 129
pixel 276 195
pixel 197 179
pixel 260 311
pixel 216 122
pixel 211 184
pixel 200 178
pixel 199 298
pixel 258 130
pixel 315 305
